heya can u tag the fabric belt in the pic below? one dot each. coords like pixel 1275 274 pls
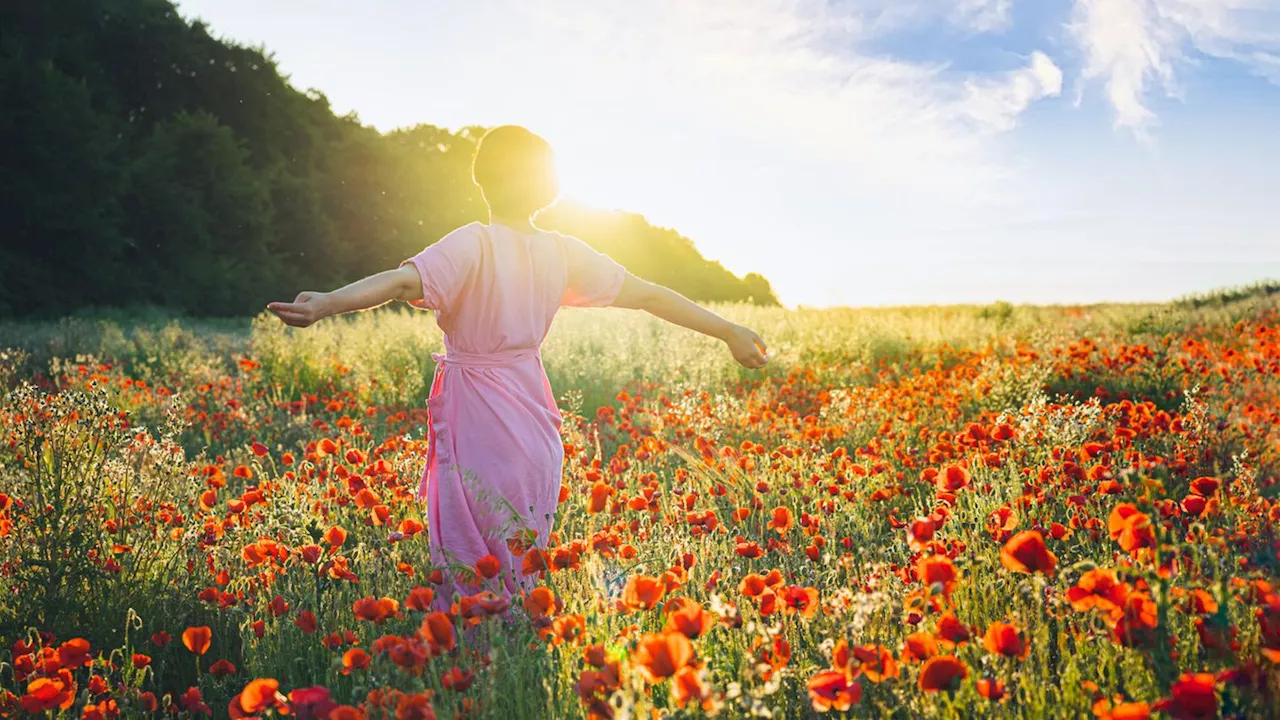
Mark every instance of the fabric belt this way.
pixel 484 360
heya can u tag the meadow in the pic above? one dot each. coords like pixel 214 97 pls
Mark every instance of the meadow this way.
pixel 947 512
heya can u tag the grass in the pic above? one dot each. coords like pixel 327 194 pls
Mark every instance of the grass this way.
pixel 160 474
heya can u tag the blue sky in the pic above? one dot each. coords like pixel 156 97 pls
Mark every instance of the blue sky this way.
pixel 861 152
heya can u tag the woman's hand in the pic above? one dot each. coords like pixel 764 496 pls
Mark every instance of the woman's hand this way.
pixel 305 310
pixel 747 347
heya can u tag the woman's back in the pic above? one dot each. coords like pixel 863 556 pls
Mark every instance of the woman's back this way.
pixel 496 290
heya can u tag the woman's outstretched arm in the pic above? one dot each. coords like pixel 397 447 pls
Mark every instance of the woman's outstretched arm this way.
pixel 747 347
pixel 402 283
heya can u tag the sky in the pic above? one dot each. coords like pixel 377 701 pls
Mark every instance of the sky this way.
pixel 856 152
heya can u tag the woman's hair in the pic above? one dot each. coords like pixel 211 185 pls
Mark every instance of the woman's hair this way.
pixel 515 170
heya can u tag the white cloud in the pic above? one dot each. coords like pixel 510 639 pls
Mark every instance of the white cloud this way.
pixel 996 103
pixel 983 16
pixel 1132 44
pixel 801 72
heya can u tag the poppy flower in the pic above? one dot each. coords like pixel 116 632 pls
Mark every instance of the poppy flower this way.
pixel 1192 697
pixel 1205 486
pixel 197 639
pixel 918 647
pixel 354 659
pixel 600 494
pixel 782 520
pixel 952 478
pixel 1004 639
pixel 991 689
pixel 1100 588
pixel 306 621
pixel 1130 528
pixel 919 532
pixel 376 610
pixel 690 619
pixel 457 679
pixel 1026 553
pixel 833 690
pixel 938 570
pixel 752 585
pixel 140 661
pixel 258 696
pixel 312 702
pixel 540 602
pixel 420 598
pixel 659 655
pixel 942 672
pixel 687 685
pixel 802 600
pixel 222 668
pixel 335 536
pixel 642 592
pixel 437 629
pixel 488 567
pixel 952 632
pixel 876 662
pixel 46 694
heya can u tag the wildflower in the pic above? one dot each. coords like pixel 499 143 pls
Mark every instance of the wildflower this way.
pixel 1004 639
pixel 942 672
pixel 1026 553
pixel 833 690
pixel 659 655
pixel 642 592
pixel 197 639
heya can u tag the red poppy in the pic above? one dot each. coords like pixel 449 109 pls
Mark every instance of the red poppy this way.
pixel 642 592
pixel 660 655
pixel 488 567
pixel 942 672
pixel 833 690
pixel 1026 553
pixel 197 639
pixel 1004 639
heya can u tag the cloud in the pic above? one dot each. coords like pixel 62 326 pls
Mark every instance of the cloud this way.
pixel 995 103
pixel 1134 44
pixel 983 16
pixel 804 73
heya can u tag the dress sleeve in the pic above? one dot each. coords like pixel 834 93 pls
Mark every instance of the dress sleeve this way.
pixel 594 279
pixel 445 266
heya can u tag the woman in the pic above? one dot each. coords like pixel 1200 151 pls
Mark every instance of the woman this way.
pixel 494 462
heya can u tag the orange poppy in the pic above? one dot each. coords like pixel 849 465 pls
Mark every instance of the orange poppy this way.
pixel 354 659
pixel 938 570
pixel 877 662
pixel 488 567
pixel 1131 528
pixel 782 520
pixel 1100 588
pixel 1004 639
pixel 642 592
pixel 833 690
pixel 1027 553
pixel 258 696
pixel 659 655
pixel 942 672
pixel 690 619
pixel 437 629
pixel 197 639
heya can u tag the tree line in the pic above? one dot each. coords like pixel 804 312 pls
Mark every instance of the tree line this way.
pixel 144 161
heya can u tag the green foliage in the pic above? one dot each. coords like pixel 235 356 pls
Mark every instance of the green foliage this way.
pixel 146 162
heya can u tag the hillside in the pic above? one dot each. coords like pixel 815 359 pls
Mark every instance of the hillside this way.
pixel 146 162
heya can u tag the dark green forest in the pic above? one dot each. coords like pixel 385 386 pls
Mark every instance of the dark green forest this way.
pixel 145 162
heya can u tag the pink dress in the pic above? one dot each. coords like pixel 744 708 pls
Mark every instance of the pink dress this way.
pixel 494 463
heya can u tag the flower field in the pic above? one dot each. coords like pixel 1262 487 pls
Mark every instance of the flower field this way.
pixel 947 512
